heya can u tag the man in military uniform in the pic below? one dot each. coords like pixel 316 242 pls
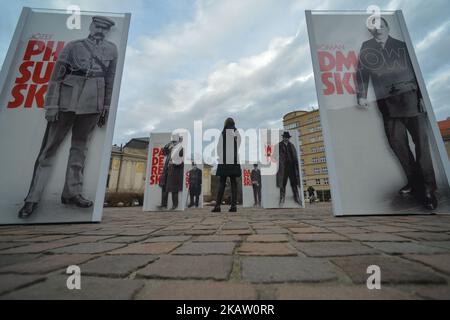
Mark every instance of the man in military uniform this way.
pixel 195 185
pixel 386 62
pixel 171 180
pixel 78 99
pixel 255 176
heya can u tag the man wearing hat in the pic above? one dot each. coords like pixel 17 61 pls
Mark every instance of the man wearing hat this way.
pixel 78 99
pixel 288 168
pixel 195 185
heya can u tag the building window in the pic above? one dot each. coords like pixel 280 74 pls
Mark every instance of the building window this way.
pixel 323 159
pixel 321 149
pixel 316 170
pixel 325 181
pixel 303 162
pixel 318 182
pixel 312 140
pixel 313 150
pixel 325 170
pixel 291 126
pixel 315 160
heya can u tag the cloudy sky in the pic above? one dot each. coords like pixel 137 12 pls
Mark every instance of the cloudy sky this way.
pixel 206 60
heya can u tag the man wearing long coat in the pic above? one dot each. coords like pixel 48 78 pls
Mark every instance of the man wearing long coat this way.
pixel 288 168
pixel 195 186
pixel 385 61
pixel 171 180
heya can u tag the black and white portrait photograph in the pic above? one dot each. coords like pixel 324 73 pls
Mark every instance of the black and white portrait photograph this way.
pixel 66 133
pixel 381 136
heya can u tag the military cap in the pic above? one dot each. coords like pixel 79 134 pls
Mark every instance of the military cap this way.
pixel 103 22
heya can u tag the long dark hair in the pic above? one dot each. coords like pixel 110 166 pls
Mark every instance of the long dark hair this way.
pixel 229 125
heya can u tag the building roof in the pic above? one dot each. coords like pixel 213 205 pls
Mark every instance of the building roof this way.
pixel 444 127
pixel 298 113
pixel 138 143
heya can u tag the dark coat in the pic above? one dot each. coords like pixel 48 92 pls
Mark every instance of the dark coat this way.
pixel 256 176
pixel 392 74
pixel 229 166
pixel 195 181
pixel 281 156
pixel 172 177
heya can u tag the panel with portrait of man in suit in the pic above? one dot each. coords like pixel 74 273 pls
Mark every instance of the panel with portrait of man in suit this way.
pixel 383 148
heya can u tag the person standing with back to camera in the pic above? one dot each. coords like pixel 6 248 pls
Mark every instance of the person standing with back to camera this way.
pixel 229 166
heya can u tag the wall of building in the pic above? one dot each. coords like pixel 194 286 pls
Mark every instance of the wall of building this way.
pixel 127 171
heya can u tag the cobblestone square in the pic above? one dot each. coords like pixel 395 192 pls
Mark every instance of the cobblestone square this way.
pixel 253 254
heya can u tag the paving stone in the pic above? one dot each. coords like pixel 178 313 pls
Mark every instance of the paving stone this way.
pixel 196 290
pixel 266 249
pixel 309 237
pixel 267 238
pixel 178 227
pixel 7 260
pixel 439 244
pixel 218 238
pixel 167 233
pixel 204 248
pixel 272 231
pixel 126 239
pixel 393 270
pixel 48 238
pixel 116 266
pixel 377 237
pixel 235 226
pixel 168 239
pixel 47 263
pixel 404 247
pixel 348 230
pixel 331 249
pixel 439 262
pixel 337 292
pixel 206 227
pixel 147 248
pixel 92 288
pixel 387 229
pixel 309 230
pixel 433 292
pixel 137 232
pixel 89 248
pixel 84 239
pixel 236 232
pixel 189 267
pixel 34 248
pixel 9 282
pixel 427 236
pixel 286 269
pixel 7 238
pixel 9 245
pixel 199 232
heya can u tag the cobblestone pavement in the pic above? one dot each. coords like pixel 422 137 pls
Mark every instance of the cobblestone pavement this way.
pixel 255 254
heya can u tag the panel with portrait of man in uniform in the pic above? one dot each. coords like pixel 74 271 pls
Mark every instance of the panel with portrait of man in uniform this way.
pixel 69 132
